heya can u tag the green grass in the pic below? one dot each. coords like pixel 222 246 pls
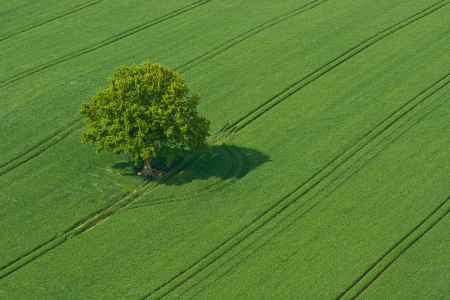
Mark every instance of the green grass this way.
pixel 421 272
pixel 330 193
pixel 327 239
pixel 77 32
pixel 23 15
pixel 54 191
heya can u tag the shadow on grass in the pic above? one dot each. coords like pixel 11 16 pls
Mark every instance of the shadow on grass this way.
pixel 224 162
pixel 129 168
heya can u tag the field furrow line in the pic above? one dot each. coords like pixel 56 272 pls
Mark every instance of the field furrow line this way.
pixel 295 195
pixel 102 44
pixel 379 134
pixel 396 251
pixel 142 190
pixel 52 240
pixel 295 87
pixel 40 23
pixel 280 97
pixel 172 173
pixel 94 219
pixel 249 34
pixel 42 147
pixel 41 143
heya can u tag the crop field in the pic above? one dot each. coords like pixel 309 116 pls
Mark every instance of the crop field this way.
pixel 330 165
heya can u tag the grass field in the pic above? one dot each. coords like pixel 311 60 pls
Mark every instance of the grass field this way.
pixel 328 179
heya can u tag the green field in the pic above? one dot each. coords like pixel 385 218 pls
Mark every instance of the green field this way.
pixel 328 177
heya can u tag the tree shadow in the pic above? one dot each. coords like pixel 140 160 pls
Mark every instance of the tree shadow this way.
pixel 130 168
pixel 224 162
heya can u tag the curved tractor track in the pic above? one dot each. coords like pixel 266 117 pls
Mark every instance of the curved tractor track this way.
pixel 236 172
pixel 239 168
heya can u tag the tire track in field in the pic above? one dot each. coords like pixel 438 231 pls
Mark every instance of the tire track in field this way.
pixel 40 148
pixel 390 256
pixel 40 23
pixel 207 56
pixel 280 97
pixel 40 143
pixel 249 34
pixel 295 195
pixel 245 168
pixel 64 233
pixel 237 170
pixel 88 223
pixel 376 270
pixel 94 219
pixel 186 66
pixel 106 42
pixel 298 210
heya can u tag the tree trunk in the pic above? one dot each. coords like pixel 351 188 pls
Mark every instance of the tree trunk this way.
pixel 147 168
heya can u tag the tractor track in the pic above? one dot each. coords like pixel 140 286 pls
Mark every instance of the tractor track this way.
pixel 390 256
pixel 48 20
pixel 377 269
pixel 103 43
pixel 42 147
pixel 296 194
pixel 300 209
pixel 187 66
pixel 236 172
pixel 297 86
pixel 249 34
pixel 93 220
pixel 292 89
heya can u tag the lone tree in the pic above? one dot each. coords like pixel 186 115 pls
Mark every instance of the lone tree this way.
pixel 145 111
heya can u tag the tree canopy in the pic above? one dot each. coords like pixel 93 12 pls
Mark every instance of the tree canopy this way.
pixel 145 110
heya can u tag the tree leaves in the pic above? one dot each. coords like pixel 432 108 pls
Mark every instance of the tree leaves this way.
pixel 145 111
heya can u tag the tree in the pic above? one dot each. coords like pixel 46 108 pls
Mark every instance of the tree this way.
pixel 145 111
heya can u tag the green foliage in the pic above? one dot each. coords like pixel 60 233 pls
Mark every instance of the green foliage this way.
pixel 145 111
